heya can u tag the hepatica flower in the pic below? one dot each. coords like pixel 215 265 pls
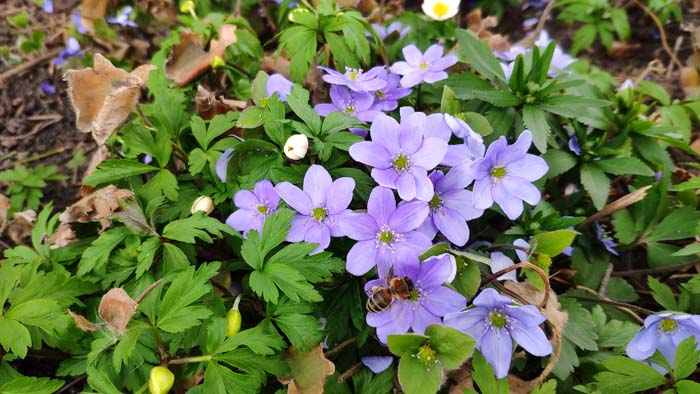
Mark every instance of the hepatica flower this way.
pixel 394 27
pixel 48 6
pixel 451 205
pixel 500 261
pixel 78 22
pixel 122 18
pixel 386 98
pixel 253 207
pixel 322 206
pixel 277 83
pixel 425 305
pixel 605 238
pixel 495 323
pixel 72 49
pixel 401 155
pixel 663 332
pixel 440 9
pixel 386 234
pixel 356 79
pixel 420 67
pixel 504 176
pixel 444 126
pixel 349 102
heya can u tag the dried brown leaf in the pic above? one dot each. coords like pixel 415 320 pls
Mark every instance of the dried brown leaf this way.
pixel 227 36
pixel 189 59
pixel 275 65
pixel 63 236
pixel 309 371
pixel 4 209
pixel 690 81
pixel 91 10
pixel 103 96
pixel 116 309
pixel 83 323
pixel 100 155
pixel 208 105
pixel 99 205
pixel 552 310
pixel 21 225
pixel 622 49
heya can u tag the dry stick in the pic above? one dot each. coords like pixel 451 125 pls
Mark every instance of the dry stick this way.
pixel 270 22
pixel 605 280
pixel 27 65
pixel 148 290
pixel 618 204
pixel 37 128
pixel 340 346
pixel 627 308
pixel 552 360
pixel 525 264
pixel 530 39
pixel 71 384
pixel 646 271
pixel 671 63
pixel 347 374
pixel 662 32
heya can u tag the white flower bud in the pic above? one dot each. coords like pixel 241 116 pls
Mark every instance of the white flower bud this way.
pixel 296 146
pixel 204 204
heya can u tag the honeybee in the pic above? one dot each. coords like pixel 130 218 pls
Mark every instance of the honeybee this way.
pixel 382 296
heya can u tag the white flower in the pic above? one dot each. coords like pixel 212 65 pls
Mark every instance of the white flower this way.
pixel 204 204
pixel 441 9
pixel 296 146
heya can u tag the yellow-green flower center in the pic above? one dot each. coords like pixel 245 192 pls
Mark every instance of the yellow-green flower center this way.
pixel 379 94
pixel 668 325
pixel 352 75
pixel 440 9
pixel 498 172
pixel 423 66
pixel 435 202
pixel 413 295
pixel 349 109
pixel 400 162
pixel 265 101
pixel 386 236
pixel 262 209
pixel 319 213
pixel 498 319
pixel 426 355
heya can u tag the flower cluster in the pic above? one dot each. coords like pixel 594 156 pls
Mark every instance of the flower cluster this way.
pixel 663 332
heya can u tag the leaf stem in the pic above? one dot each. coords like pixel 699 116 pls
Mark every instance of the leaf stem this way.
pixel 187 360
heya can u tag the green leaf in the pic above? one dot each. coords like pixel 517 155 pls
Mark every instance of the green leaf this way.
pixel 654 91
pixel 468 278
pixel 418 378
pixel 580 328
pixel 14 337
pixel 402 344
pixel 686 358
pixel 477 122
pixel 97 254
pixel 679 224
pixel 688 387
pixel 165 183
pixel 453 347
pixel 30 385
pixel 624 166
pixel 536 121
pixel 343 140
pixel 619 20
pixel 147 251
pixel 250 118
pixel 691 184
pixel 291 282
pixel 626 229
pixel 484 377
pixel 627 376
pixel 662 294
pixel 301 330
pixel 111 171
pixel 199 225
pixel 366 382
pixel 478 54
pixel 221 380
pixel 559 161
pixel 583 38
pixel 596 184
pixel 548 387
pixel 468 86
pixel 99 381
pixel 298 100
pixel 275 230
pixel 176 313
pixel 688 250
pixel 257 339
pixel 553 242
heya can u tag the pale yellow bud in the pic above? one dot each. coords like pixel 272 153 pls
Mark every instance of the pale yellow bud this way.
pixel 296 147
pixel 187 7
pixel 204 204
pixel 217 62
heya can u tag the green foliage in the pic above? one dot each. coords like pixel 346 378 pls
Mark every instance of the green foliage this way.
pixel 24 185
pixel 599 18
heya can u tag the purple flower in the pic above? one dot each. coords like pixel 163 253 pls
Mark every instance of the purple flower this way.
pixel 500 261
pixel 386 234
pixel 386 98
pixel 351 103
pixel 504 174
pixel 221 167
pixel 663 332
pixel 48 88
pixel 122 18
pixel 401 155
pixel 253 207
pixel 451 205
pixel 420 67
pixel 355 78
pixel 394 27
pixel 48 6
pixel 604 237
pixel 494 322
pixel 444 126
pixel 426 304
pixel 377 364
pixel 72 49
pixel 277 83
pixel 574 145
pixel 322 206
pixel 78 22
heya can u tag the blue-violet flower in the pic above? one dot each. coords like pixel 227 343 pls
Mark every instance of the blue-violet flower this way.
pixel 349 102
pixel 253 207
pixel 663 332
pixel 356 79
pixel 425 67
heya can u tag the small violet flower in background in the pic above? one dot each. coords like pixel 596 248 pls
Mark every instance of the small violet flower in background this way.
pixel 351 103
pixel 386 98
pixel 663 332
pixel 221 167
pixel 451 205
pixel 504 174
pixel 604 237
pixel 277 83
pixel 377 364
pixel 401 155
pixel 48 6
pixel 386 234
pixel 122 18
pixel 48 88
pixel 356 79
pixel 420 67
pixel 440 10
pixel 500 261
pixel 426 304
pixel 321 206
pixel 574 145
pixel 253 207
pixel 72 49
pixel 78 22
pixel 394 27
pixel 495 323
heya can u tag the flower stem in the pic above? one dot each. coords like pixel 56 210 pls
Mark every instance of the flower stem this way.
pixel 187 360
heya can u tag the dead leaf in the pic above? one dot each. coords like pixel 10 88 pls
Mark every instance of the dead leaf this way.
pixel 622 49
pixel 690 81
pixel 4 209
pixel 63 236
pixel 83 323
pixel 531 295
pixel 189 59
pixel 103 96
pixel 99 205
pixel 208 105
pixel 275 65
pixel 100 155
pixel 116 309
pixel 21 225
pixel 308 369
pixel 91 10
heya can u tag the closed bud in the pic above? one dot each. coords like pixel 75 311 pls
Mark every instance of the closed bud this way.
pixel 233 319
pixel 217 62
pixel 187 7
pixel 204 204
pixel 296 147
pixel 161 380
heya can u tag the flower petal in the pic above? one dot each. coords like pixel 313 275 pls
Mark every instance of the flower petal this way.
pixel 424 187
pixel 511 205
pixel 339 195
pixel 412 55
pixel 371 153
pixel 517 150
pixel 442 301
pixel 497 347
pixel 385 131
pixel 245 199
pixel 407 217
pixel 430 153
pixel 320 234
pixel 298 229
pixel 452 225
pixel 482 194
pixel 361 258
pixel 500 261
pixel 386 177
pixel 295 197
pixel 530 168
pixel 422 318
pixel 406 186
pixel 462 202
pixel 532 339
pixel 359 226
pixel 434 76
pixel 381 204
pixel 522 189
pixel 244 220
pixel 489 298
pixel 317 181
pixel 411 79
pixel 402 315
pixel 377 364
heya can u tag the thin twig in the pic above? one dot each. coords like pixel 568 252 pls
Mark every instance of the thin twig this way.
pixel 27 65
pixel 676 48
pixel 620 305
pixel 340 346
pixel 606 278
pixel 72 383
pixel 524 264
pixel 148 290
pixel 529 41
pixel 620 203
pixel 647 271
pixel 660 27
pixel 347 374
